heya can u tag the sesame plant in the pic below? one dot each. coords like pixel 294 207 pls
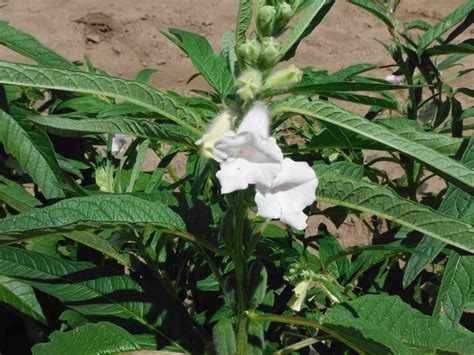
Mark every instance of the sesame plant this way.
pixel 236 252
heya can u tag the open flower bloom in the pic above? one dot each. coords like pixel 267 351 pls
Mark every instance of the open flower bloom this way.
pixel 248 155
pixel 293 189
pixel 219 125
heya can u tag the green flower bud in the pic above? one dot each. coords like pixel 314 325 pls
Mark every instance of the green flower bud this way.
pixel 295 4
pixel 266 19
pixel 250 51
pixel 270 50
pixel 283 78
pixel 249 84
pixel 284 13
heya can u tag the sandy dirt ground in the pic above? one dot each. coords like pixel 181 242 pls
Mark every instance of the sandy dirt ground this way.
pixel 124 37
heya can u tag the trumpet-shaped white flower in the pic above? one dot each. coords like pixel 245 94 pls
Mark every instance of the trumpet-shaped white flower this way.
pixel 291 191
pixel 248 155
pixel 219 125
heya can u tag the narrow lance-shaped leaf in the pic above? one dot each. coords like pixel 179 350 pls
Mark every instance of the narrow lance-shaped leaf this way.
pixel 132 91
pixel 381 201
pixel 244 19
pixel 374 9
pixel 34 152
pixel 446 167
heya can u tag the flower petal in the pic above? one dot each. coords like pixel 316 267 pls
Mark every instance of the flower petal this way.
pixel 217 128
pixel 256 121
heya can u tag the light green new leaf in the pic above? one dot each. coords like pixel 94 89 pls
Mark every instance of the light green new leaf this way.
pixel 106 211
pixel 34 152
pixel 455 289
pixel 27 45
pixel 381 201
pixel 390 321
pixel 312 16
pixel 145 128
pixel 135 92
pixel 228 50
pixel 448 168
pixel 99 338
pixel 445 25
pixel 21 297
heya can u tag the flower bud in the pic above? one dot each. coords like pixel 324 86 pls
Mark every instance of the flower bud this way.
pixel 250 51
pixel 249 84
pixel 266 19
pixel 222 123
pixel 283 15
pixel 270 50
pixel 283 78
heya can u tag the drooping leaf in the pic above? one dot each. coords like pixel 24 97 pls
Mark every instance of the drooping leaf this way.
pixel 374 9
pixel 21 297
pixel 34 152
pixel 134 92
pixel 99 338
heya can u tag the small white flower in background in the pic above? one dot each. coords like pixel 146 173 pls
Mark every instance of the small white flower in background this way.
pixel 221 124
pixel 293 189
pixel 248 155
pixel 118 141
pixel 395 79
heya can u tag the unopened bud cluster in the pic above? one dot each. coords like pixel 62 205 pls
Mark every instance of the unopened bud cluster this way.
pixel 273 16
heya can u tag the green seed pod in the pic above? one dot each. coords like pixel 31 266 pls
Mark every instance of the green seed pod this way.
pixel 266 19
pixel 270 51
pixel 250 52
pixel 249 84
pixel 282 78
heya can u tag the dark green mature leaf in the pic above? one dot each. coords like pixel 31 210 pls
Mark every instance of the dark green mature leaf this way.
pixel 455 290
pixel 311 18
pixel 374 9
pixel 363 100
pixel 390 321
pixel 244 20
pixel 15 196
pixel 99 338
pixel 329 247
pixel 145 128
pixel 106 211
pixel 21 297
pixel 329 113
pixel 224 337
pixel 456 203
pixel 212 67
pixel 451 49
pixel 381 201
pixel 29 46
pixel 445 25
pixel 132 91
pixel 34 152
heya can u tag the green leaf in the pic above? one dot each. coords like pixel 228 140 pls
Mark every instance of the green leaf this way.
pixel 34 152
pixel 456 203
pixel 374 9
pixel 363 100
pixel 212 67
pixel 145 128
pixel 106 211
pixel 329 113
pixel 444 25
pixel 393 323
pixel 352 70
pixel 464 48
pixel 329 247
pixel 257 284
pixel 244 20
pixel 134 92
pixel 311 18
pixel 381 201
pixel 224 337
pixel 256 340
pixel 29 46
pixel 21 297
pixel 455 289
pixel 228 50
pixel 99 338
pixel 15 196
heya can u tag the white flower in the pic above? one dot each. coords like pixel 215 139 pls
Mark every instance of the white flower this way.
pixel 248 155
pixel 219 125
pixel 395 79
pixel 291 191
pixel 118 141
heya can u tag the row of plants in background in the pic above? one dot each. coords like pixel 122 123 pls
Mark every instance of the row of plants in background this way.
pixel 97 254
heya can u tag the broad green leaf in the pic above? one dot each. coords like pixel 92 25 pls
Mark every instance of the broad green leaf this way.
pixel 308 21
pixel 212 67
pixel 15 196
pixel 444 25
pixel 145 128
pixel 35 153
pixel 134 92
pixel 106 211
pixel 224 337
pixel 329 247
pixel 29 46
pixel 455 289
pixel 21 297
pixel 374 9
pixel 393 323
pixel 446 167
pixel 244 19
pixel 456 203
pixel 381 201
pixel 99 338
